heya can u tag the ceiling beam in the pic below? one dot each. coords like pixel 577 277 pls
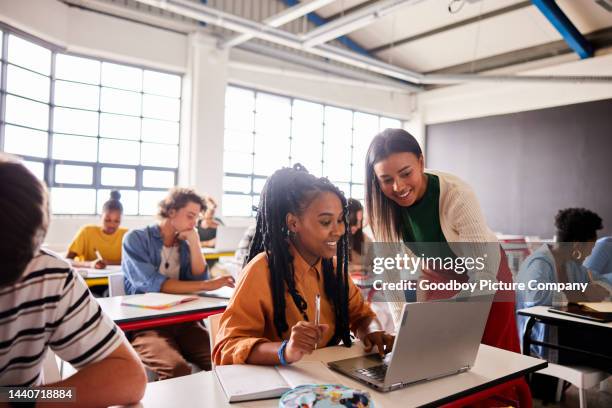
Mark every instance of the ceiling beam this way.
pixel 565 27
pixel 353 21
pixel 452 26
pixel 277 20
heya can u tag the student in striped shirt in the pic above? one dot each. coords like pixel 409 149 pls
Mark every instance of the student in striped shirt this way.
pixel 44 304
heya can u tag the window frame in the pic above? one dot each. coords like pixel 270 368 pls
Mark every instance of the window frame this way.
pixel 252 175
pixel 49 162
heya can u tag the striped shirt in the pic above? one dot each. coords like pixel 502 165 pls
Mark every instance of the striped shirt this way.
pixel 50 306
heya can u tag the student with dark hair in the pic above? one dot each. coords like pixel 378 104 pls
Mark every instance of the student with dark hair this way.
pixel 104 239
pixel 166 257
pixel 300 250
pixel 560 262
pixel 45 305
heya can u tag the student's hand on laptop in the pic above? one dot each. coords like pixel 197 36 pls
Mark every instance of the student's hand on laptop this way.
pixel 221 281
pixel 304 336
pixel 380 339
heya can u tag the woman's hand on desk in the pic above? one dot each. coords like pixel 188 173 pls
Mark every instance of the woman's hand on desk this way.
pixel 98 264
pixel 304 337
pixel 219 282
pixel 380 339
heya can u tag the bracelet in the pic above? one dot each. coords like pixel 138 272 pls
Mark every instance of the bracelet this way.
pixel 281 353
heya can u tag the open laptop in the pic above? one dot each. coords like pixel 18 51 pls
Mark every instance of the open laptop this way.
pixel 227 239
pixel 435 339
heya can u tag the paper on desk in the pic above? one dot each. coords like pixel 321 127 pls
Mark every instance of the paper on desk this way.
pixel 605 307
pixel 307 372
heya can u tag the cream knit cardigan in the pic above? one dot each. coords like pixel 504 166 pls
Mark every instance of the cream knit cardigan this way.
pixel 462 220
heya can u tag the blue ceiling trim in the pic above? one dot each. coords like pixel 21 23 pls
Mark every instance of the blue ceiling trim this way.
pixel 317 20
pixel 564 26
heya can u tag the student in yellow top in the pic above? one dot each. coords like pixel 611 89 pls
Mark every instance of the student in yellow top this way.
pixel 104 240
pixel 300 249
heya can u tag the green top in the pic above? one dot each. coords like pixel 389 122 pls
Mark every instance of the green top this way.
pixel 421 222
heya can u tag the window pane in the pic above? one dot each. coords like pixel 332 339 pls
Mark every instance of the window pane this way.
pixel 121 76
pixel 307 150
pixel 119 151
pixel 162 84
pixel 344 187
pixel 237 162
pixel 237 184
pixel 28 113
pixel 258 184
pixel 161 107
pixel 307 112
pixel 238 98
pixel 238 118
pixel 160 131
pixel 73 200
pixel 337 147
pixel 129 200
pixel 237 205
pixel 149 201
pixel 272 117
pixel 267 160
pixel 75 121
pixel 365 128
pixel 112 176
pixel 157 178
pixel 119 126
pixel 159 155
pixel 116 101
pixel 29 55
pixel 37 168
pixel 65 173
pixel 358 191
pixel 389 123
pixel 77 69
pixel 25 141
pixel 26 83
pixel 235 141
pixel 76 95
pixel 78 148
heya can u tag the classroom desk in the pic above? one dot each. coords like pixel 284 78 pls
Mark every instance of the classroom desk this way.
pixel 95 277
pixel 541 314
pixel 493 367
pixel 136 318
pixel 210 254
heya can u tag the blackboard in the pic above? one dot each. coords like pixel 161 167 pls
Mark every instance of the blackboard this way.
pixel 526 166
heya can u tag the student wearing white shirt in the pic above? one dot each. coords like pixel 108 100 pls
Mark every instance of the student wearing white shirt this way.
pixel 45 305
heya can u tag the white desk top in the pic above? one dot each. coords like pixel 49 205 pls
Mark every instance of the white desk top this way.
pixel 98 273
pixel 543 312
pixel 492 365
pixel 122 314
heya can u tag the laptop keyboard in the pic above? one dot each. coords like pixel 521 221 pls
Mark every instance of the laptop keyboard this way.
pixel 376 373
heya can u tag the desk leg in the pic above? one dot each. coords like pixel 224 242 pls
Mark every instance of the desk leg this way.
pixel 527 336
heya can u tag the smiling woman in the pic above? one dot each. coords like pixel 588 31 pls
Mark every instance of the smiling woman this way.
pixel 300 249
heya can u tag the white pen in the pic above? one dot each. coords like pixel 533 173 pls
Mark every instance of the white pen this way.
pixel 98 256
pixel 317 314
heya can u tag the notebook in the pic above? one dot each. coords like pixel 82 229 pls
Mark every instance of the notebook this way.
pixel 584 310
pixel 247 382
pixel 156 301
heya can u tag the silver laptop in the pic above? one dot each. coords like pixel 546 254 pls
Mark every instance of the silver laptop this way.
pixel 435 339
pixel 228 238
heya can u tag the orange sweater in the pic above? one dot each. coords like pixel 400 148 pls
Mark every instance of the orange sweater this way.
pixel 249 317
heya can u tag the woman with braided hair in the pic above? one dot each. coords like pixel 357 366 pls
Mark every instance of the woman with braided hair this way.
pixel 299 251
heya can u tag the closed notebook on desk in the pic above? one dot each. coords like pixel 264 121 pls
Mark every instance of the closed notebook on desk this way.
pixel 582 311
pixel 157 301
pixel 247 382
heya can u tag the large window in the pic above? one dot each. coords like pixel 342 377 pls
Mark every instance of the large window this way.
pixel 264 132
pixel 87 126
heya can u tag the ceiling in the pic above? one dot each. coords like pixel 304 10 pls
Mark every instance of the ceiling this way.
pixel 417 36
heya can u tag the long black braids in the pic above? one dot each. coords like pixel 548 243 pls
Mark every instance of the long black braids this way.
pixel 289 190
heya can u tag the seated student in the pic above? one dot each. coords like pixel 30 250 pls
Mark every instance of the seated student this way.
pixel 45 305
pixel 357 239
pixel 166 257
pixel 560 262
pixel 300 249
pixel 207 226
pixel 104 239
pixel 600 260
